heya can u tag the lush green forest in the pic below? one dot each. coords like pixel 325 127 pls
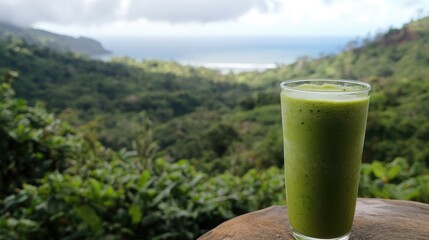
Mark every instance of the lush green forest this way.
pixel 131 149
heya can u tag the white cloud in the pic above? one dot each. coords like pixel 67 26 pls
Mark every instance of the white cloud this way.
pixel 196 10
pixel 211 17
pixel 335 17
pixel 28 12
pixel 84 12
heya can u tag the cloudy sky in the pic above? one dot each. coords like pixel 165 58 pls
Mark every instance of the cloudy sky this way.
pixel 103 18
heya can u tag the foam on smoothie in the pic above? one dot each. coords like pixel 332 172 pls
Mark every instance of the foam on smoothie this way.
pixel 326 91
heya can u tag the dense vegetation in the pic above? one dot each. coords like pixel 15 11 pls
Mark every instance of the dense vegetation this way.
pixel 111 94
pixel 71 187
pixel 109 164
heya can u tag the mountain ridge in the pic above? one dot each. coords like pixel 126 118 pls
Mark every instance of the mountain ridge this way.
pixel 58 42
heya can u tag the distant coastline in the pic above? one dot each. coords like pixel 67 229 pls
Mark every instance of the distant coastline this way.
pixel 237 54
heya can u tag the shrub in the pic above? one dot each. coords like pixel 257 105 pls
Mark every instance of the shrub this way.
pixel 33 142
pixel 121 201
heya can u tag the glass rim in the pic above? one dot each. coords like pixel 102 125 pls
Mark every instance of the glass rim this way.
pixel 365 86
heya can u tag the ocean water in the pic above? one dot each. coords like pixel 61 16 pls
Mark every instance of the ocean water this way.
pixel 236 54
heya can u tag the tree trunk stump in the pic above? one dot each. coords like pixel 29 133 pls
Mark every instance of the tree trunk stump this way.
pixel 374 219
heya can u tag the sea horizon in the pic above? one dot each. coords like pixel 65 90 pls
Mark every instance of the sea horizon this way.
pixel 236 54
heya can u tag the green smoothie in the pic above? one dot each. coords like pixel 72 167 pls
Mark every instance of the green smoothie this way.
pixel 323 133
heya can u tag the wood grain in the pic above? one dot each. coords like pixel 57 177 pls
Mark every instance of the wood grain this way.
pixel 374 219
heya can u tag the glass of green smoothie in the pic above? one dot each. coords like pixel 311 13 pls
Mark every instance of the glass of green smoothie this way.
pixel 324 125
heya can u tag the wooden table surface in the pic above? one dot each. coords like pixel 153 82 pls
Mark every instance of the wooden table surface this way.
pixel 374 219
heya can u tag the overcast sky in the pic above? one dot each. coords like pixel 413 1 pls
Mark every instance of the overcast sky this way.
pixel 103 18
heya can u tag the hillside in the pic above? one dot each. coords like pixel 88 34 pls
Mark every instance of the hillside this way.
pixel 396 65
pixel 113 93
pixel 58 42
pixel 396 54
pixel 230 122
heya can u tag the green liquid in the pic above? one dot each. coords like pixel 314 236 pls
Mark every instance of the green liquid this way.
pixel 323 141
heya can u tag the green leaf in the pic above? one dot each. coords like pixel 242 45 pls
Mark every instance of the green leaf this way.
pixel 27 223
pixel 393 172
pixel 95 187
pixel 164 194
pixel 135 213
pixel 378 169
pixel 366 168
pixel 12 222
pixel 88 216
pixel 109 192
pixel 144 177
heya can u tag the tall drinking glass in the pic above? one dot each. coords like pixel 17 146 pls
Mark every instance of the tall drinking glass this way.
pixel 324 125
